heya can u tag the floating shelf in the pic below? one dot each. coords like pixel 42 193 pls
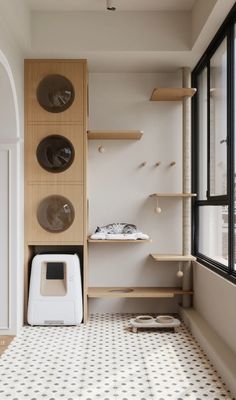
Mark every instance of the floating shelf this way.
pixel 171 94
pixel 172 257
pixel 117 241
pixel 173 195
pixel 115 135
pixel 138 292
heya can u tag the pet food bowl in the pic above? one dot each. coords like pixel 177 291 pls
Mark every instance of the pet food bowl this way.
pixel 144 319
pixel 164 319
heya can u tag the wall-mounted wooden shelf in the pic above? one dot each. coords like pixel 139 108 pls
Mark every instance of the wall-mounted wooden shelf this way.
pixel 114 135
pixel 172 257
pixel 117 241
pixel 173 195
pixel 138 292
pixel 171 94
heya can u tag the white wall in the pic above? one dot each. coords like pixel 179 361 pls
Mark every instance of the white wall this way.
pixel 119 189
pixel 8 126
pixel 13 55
pixel 16 16
pixel 200 13
pixel 215 300
pixel 104 31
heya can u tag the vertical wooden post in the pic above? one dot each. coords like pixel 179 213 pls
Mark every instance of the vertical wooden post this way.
pixel 186 229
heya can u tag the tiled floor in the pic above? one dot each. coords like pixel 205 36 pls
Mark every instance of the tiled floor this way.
pixel 104 360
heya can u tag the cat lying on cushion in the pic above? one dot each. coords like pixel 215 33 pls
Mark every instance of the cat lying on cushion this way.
pixel 117 228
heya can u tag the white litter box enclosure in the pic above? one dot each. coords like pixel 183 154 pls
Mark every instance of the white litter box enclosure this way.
pixel 55 294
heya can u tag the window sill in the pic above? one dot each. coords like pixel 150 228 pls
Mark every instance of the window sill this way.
pixel 217 267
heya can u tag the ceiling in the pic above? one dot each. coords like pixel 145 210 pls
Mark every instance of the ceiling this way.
pixel 153 35
pixel 121 5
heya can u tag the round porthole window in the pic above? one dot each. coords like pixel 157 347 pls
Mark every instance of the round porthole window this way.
pixel 55 93
pixel 55 213
pixel 55 153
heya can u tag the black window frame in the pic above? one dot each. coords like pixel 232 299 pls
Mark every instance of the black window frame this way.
pixel 227 30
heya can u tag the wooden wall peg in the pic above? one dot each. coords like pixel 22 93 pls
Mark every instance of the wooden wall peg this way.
pixel 143 164
pixel 158 163
pixel 157 208
pixel 172 163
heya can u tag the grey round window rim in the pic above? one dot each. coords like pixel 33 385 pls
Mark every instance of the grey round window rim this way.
pixel 59 197
pixel 56 170
pixel 54 108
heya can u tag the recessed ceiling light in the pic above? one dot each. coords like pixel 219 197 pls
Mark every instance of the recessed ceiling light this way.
pixel 110 6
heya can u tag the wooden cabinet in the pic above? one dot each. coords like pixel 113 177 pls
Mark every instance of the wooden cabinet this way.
pixel 55 157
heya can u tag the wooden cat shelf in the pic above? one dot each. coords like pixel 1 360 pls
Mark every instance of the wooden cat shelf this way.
pixel 173 195
pixel 137 292
pixel 172 257
pixel 171 94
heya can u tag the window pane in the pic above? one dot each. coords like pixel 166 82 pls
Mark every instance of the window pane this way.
pixel 213 233
pixel 218 121
pixel 202 134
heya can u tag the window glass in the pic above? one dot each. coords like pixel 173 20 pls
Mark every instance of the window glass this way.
pixel 55 213
pixel 213 233
pixel 55 153
pixel 202 134
pixel 234 149
pixel 218 121
pixel 55 93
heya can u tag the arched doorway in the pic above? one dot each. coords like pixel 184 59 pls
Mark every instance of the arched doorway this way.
pixel 11 287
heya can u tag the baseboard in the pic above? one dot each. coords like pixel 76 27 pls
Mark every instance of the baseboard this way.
pixel 218 352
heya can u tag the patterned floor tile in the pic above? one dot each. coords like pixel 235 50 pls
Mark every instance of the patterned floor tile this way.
pixel 103 360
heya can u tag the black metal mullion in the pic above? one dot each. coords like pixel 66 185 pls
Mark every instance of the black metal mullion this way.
pixel 195 161
pixel 208 130
pixel 218 201
pixel 230 144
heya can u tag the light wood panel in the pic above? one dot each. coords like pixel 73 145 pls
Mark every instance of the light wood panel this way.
pixel 171 94
pixel 115 135
pixel 35 234
pixel 138 292
pixel 35 173
pixel 27 258
pixel 173 195
pixel 35 71
pixel 172 257
pixel 4 343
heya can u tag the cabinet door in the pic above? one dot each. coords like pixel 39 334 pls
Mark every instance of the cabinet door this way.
pixel 59 103
pixel 73 234
pixel 73 134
